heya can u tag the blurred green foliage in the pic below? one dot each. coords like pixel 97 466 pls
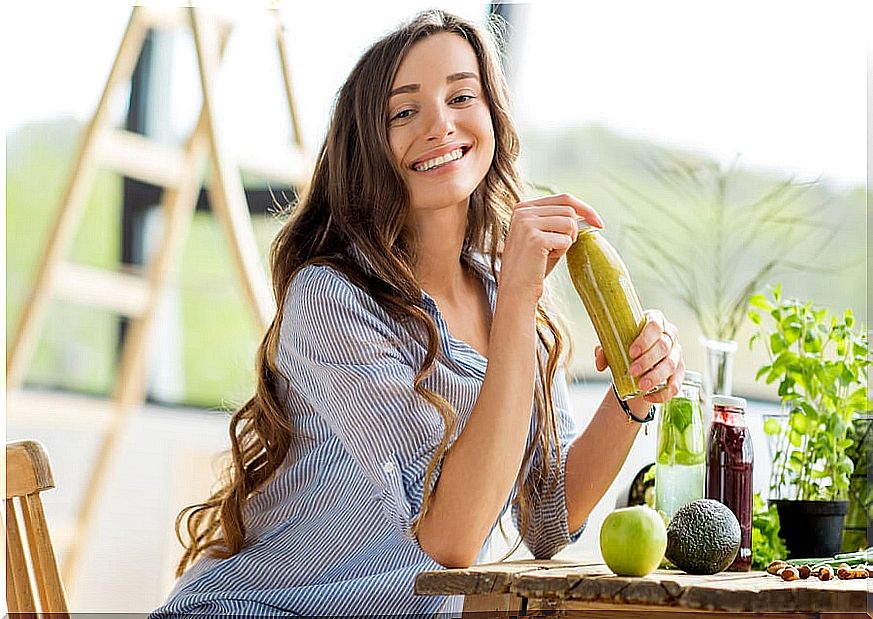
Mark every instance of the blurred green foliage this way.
pixel 75 349
pixel 78 345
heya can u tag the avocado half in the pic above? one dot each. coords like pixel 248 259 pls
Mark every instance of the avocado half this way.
pixel 703 537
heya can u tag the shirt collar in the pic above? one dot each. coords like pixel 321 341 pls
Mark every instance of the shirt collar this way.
pixel 478 262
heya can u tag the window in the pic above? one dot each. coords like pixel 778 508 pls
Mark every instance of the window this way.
pixel 597 87
pixel 603 88
pixel 204 347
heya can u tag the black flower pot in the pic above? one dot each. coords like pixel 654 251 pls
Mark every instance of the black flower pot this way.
pixel 811 528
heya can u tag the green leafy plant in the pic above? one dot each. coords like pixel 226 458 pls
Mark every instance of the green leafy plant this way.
pixel 767 546
pixel 820 363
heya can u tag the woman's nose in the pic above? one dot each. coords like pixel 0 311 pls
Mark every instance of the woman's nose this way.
pixel 441 123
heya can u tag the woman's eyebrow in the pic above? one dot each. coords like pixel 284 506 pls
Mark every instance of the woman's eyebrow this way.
pixel 454 77
pixel 463 75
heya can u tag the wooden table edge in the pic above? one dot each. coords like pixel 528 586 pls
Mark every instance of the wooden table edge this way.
pixel 608 592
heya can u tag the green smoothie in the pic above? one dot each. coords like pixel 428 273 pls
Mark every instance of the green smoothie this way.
pixel 603 283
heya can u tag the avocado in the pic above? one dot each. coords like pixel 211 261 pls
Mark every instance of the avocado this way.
pixel 703 537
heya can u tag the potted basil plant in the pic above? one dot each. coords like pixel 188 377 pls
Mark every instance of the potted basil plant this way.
pixel 819 362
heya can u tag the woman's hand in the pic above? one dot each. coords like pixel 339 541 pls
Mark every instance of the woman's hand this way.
pixel 540 233
pixel 656 358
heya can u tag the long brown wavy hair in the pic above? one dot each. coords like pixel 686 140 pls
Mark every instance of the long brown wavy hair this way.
pixel 357 197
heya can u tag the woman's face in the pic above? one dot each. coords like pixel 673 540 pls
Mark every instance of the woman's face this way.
pixel 439 124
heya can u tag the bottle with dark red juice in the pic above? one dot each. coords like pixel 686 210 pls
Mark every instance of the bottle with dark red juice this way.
pixel 729 469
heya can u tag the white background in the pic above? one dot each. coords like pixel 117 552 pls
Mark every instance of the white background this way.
pixel 783 83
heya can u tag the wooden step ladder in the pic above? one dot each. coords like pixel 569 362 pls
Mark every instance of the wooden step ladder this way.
pixel 136 292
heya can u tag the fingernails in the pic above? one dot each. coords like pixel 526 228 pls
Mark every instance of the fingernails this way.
pixel 634 351
pixel 599 222
pixel 635 369
pixel 645 384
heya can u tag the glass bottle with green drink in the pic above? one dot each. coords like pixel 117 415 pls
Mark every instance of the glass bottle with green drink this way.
pixel 680 473
pixel 603 283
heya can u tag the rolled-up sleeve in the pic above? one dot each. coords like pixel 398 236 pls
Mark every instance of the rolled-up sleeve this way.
pixel 343 357
pixel 548 529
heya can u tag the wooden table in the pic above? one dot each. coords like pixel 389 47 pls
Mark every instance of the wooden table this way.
pixel 577 589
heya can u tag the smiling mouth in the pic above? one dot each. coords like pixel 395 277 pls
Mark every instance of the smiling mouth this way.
pixel 442 160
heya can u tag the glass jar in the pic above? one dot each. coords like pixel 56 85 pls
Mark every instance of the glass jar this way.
pixel 681 457
pixel 602 281
pixel 729 469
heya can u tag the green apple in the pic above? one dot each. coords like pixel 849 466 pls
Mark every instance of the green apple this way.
pixel 633 540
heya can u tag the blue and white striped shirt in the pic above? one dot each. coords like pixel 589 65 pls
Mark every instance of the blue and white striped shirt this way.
pixel 330 533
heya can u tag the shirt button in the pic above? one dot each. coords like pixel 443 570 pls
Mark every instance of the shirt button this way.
pixel 388 467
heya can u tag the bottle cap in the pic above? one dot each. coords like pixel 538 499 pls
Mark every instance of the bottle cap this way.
pixel 693 378
pixel 729 401
pixel 584 225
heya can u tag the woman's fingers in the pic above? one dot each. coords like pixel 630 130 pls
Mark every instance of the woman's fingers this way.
pixel 552 218
pixel 561 225
pixel 543 225
pixel 555 243
pixel 656 353
pixel 582 210
pixel 599 358
pixel 663 370
pixel 545 211
pixel 671 389
pixel 650 333
pixel 544 228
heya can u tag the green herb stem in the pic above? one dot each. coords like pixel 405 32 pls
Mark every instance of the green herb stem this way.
pixel 849 558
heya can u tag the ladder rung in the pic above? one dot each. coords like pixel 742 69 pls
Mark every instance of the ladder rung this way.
pixel 125 293
pixel 142 158
pixel 286 166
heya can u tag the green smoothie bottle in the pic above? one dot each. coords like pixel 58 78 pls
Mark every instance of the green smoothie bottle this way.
pixel 603 283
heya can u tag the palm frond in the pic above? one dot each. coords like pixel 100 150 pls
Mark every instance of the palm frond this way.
pixel 657 206
pixel 700 258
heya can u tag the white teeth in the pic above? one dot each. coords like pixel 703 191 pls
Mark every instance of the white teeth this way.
pixel 438 161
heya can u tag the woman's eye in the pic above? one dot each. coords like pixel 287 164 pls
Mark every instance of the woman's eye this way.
pixel 402 114
pixel 462 98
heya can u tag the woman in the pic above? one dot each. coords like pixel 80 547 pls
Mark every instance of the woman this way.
pixel 409 388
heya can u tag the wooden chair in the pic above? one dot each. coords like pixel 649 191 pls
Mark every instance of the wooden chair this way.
pixel 30 560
